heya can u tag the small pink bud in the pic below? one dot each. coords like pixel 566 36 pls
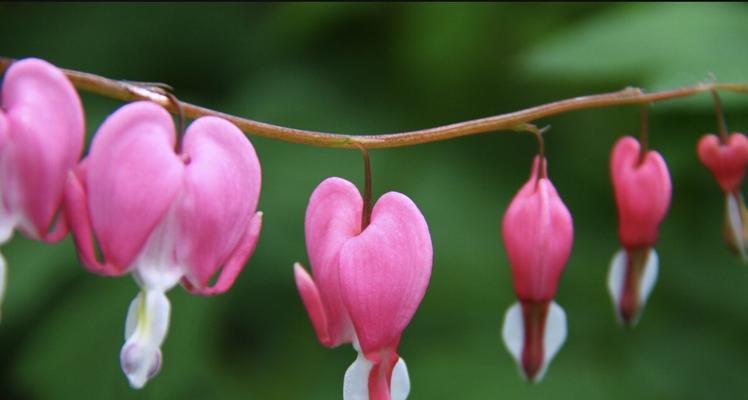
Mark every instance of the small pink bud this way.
pixel 726 161
pixel 538 233
pixel 642 191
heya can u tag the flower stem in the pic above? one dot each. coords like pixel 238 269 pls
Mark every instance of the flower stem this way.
pixel 366 212
pixel 126 91
pixel 643 132
pixel 720 117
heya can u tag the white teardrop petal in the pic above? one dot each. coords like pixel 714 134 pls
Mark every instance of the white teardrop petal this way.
pixel 513 332
pixel 648 279
pixel 400 382
pixel 616 277
pixel 356 379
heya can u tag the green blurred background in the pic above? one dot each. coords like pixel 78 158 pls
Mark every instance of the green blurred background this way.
pixel 378 68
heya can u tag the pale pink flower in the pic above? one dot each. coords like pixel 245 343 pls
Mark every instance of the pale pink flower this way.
pixel 41 139
pixel 163 215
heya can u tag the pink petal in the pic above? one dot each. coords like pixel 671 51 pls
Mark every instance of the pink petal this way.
pixel 384 273
pixel 133 176
pixel 332 217
pixel 236 262
pixel 45 128
pixel 219 198
pixel 76 212
pixel 726 161
pixel 313 303
pixel 642 192
pixel 538 233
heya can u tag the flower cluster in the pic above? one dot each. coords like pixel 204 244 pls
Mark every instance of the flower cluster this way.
pixel 172 208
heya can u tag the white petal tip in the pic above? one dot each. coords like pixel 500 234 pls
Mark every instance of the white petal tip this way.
pixel 145 329
pixel 534 357
pixel 140 364
pixel 630 283
pixel 400 383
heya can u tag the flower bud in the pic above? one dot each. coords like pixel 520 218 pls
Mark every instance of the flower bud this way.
pixel 538 235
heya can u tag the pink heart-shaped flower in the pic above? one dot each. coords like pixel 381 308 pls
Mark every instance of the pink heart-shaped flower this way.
pixel 642 192
pixel 41 139
pixel 145 204
pixel 726 161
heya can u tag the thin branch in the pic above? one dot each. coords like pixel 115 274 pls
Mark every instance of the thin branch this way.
pixel 128 91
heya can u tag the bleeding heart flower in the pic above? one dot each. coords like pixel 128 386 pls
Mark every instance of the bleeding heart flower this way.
pixel 41 138
pixel 164 216
pixel 642 191
pixel 538 235
pixel 727 162
pixel 367 283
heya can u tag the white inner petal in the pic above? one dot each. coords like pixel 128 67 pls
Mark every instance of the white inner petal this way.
pixel 554 335
pixel 649 278
pixel 155 267
pixel 735 222
pixel 145 330
pixel 513 333
pixel 356 379
pixel 616 278
pixel 400 382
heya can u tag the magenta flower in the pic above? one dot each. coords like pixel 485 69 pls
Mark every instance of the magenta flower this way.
pixel 164 216
pixel 41 138
pixel 367 284
pixel 642 192
pixel 727 162
pixel 538 235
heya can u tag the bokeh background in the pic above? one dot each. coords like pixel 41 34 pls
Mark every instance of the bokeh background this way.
pixel 376 68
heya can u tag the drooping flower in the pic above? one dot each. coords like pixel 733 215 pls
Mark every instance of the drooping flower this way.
pixel 164 216
pixel 727 161
pixel 642 189
pixel 41 139
pixel 538 233
pixel 367 283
